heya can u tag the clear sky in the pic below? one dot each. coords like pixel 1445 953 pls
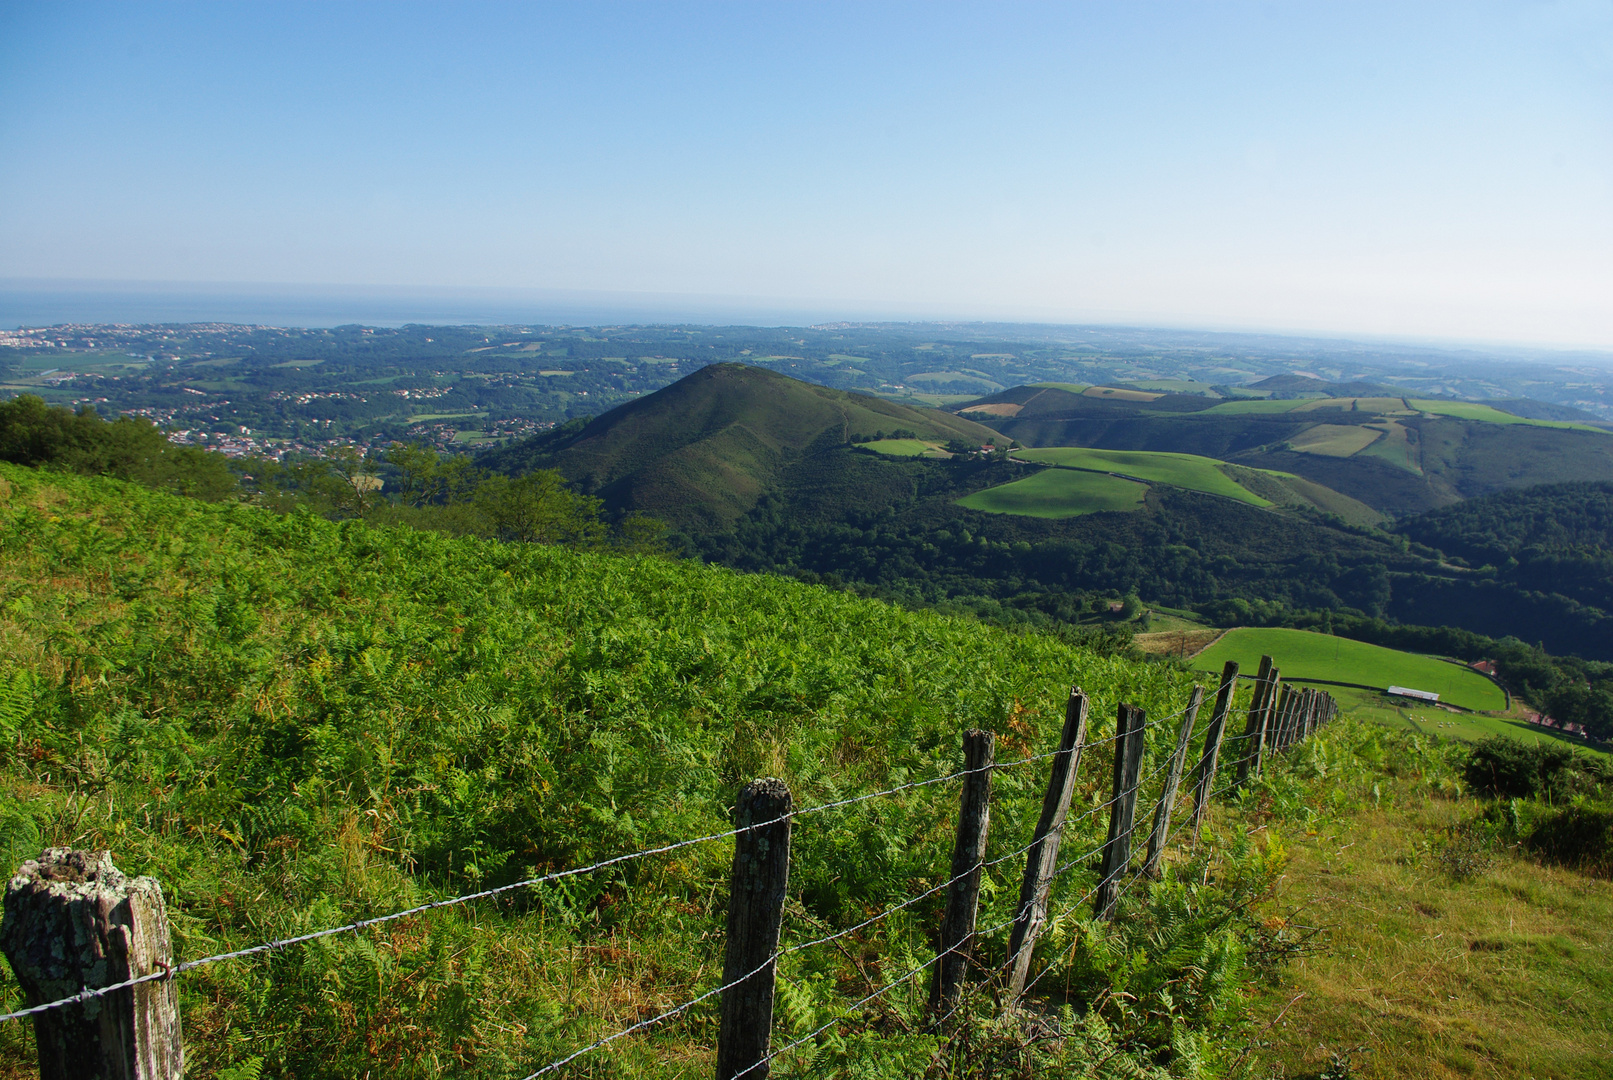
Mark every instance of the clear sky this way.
pixel 1408 169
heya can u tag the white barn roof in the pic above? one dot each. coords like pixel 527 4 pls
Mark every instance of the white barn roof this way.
pixel 1420 695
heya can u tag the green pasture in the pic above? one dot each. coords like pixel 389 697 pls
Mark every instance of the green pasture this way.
pixel 1334 440
pixel 1183 470
pixel 1072 387
pixel 1251 407
pixel 1473 410
pixel 1302 655
pixel 900 447
pixel 1058 493
pixel 423 417
pixel 1426 720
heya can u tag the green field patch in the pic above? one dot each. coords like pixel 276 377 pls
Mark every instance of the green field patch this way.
pixel 1116 393
pixel 904 447
pixel 556 373
pixel 1183 470
pixel 1373 405
pixel 1251 407
pixel 1302 655
pixel 1173 386
pixel 1334 440
pixel 1396 447
pixel 1058 493
pixel 298 363
pixel 1474 410
pixel 1072 387
pixel 952 377
pixel 423 417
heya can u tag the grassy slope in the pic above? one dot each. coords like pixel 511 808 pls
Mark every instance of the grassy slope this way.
pixel 1301 654
pixel 902 447
pixel 1183 470
pixel 1503 975
pixel 700 452
pixel 1058 493
pixel 292 723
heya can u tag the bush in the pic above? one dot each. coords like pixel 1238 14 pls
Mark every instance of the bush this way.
pixel 1578 835
pixel 1500 767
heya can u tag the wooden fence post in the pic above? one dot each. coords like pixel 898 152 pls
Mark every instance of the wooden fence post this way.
pixel 760 880
pixel 1042 860
pixel 1160 833
pixel 1130 725
pixel 968 854
pixel 1268 718
pixel 1204 776
pixel 1253 727
pixel 1279 724
pixel 74 922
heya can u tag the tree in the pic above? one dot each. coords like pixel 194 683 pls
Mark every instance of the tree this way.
pixel 538 508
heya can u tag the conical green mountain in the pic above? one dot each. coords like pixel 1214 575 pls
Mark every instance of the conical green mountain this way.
pixel 701 452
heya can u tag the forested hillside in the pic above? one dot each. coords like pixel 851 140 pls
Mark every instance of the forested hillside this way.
pixel 1555 538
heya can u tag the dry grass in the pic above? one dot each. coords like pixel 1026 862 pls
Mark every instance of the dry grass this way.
pixel 1506 974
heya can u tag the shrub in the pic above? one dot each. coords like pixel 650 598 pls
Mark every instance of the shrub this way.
pixel 1500 767
pixel 1579 835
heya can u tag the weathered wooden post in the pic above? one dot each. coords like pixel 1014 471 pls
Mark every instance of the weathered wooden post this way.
pixel 74 922
pixel 1160 832
pixel 1204 776
pixel 968 854
pixel 1279 721
pixel 1042 859
pixel 1130 725
pixel 1252 728
pixel 760 879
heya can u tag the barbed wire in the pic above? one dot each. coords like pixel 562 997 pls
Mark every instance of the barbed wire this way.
pixel 275 945
pixel 171 972
pixel 778 955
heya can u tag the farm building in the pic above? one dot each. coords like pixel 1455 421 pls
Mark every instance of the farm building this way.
pixel 1420 695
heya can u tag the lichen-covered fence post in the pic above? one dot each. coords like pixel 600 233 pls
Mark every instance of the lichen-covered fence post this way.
pixel 75 922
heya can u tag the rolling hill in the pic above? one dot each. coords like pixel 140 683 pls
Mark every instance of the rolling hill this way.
pixel 701 452
pixel 1398 455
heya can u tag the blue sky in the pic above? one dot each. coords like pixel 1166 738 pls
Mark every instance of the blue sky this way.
pixel 1405 169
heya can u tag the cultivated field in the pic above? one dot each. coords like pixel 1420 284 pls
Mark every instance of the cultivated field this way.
pixel 904 447
pixel 1058 493
pixel 1183 470
pixel 1303 655
pixel 1334 440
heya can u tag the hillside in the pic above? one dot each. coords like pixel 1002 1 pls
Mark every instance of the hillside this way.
pixel 1398 455
pixel 702 451
pixel 293 723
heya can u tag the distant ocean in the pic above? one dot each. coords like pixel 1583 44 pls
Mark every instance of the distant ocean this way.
pixel 25 303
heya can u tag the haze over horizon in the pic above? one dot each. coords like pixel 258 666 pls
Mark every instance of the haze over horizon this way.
pixel 1443 172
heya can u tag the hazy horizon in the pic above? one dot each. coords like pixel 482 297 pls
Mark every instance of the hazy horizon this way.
pixel 1435 172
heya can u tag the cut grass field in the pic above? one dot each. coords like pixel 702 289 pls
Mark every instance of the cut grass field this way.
pixel 1058 493
pixel 1398 715
pixel 1473 410
pixel 1334 440
pixel 1504 974
pixel 904 447
pixel 1183 470
pixel 1302 655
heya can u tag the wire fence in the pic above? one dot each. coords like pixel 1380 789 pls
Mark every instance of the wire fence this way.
pixel 1069 828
